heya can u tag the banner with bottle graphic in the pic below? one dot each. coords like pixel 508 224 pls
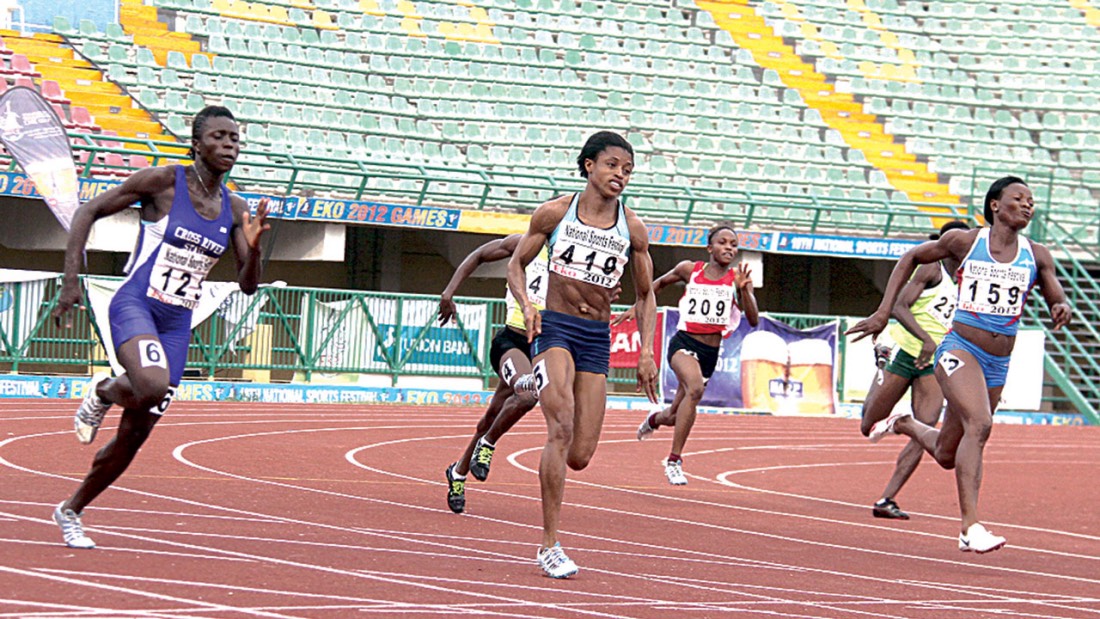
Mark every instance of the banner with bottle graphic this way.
pixel 772 368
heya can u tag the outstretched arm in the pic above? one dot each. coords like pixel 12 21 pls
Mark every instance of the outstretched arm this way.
pixel 679 273
pixel 247 230
pixel 953 243
pixel 494 250
pixel 543 222
pixel 1053 293
pixel 142 185
pixel 927 275
pixel 641 266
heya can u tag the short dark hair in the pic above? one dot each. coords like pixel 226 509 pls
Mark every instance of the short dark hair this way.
pixel 206 113
pixel 718 227
pixel 599 142
pixel 954 224
pixel 994 193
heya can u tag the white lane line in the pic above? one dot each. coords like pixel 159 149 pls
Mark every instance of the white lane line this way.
pixel 145 594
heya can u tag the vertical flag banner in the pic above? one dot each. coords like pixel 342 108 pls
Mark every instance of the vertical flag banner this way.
pixel 35 137
pixel 773 368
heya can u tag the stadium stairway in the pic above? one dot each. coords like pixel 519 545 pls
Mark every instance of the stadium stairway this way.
pixel 83 86
pixel 1092 14
pixel 838 110
pixel 140 21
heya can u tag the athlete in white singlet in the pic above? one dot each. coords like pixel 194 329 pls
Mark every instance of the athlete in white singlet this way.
pixel 591 236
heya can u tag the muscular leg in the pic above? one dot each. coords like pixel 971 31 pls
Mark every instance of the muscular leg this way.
pixel 504 411
pixel 143 387
pixel 516 405
pixel 973 403
pixel 927 404
pixel 557 402
pixel 502 393
pixel 692 384
pixel 590 397
pixel 881 399
pixel 115 457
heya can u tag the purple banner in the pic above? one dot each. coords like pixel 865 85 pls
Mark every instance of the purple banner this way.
pixel 36 138
pixel 773 368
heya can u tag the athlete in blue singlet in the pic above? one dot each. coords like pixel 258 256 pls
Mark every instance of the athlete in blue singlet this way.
pixel 591 236
pixel 188 219
pixel 998 269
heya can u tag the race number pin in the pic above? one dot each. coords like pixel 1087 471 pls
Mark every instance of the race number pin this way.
pixel 950 363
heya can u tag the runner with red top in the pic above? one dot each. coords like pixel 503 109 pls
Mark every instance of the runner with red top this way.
pixel 716 294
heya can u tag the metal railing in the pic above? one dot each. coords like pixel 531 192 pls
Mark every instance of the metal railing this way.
pixel 289 174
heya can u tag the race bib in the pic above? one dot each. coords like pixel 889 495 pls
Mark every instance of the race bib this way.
pixel 994 289
pixel 177 276
pixel 537 276
pixel 589 254
pixel 708 305
pixel 943 309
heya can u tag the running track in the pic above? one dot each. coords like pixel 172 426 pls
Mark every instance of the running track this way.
pixel 249 510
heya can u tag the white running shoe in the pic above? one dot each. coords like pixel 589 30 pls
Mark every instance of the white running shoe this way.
pixel 554 563
pixel 645 430
pixel 89 416
pixel 525 384
pixel 978 539
pixel 674 471
pixel 71 528
pixel 886 426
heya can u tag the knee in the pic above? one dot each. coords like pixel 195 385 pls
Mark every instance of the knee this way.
pixel 578 462
pixel 945 460
pixel 560 434
pixel 526 401
pixel 148 392
pixel 865 423
pixel 694 392
pixel 980 429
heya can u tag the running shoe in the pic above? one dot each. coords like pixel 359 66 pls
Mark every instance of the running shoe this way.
pixel 882 355
pixel 525 384
pixel 89 416
pixel 645 429
pixel 887 508
pixel 978 539
pixel 71 528
pixel 456 491
pixel 674 471
pixel 554 563
pixel 481 459
pixel 886 426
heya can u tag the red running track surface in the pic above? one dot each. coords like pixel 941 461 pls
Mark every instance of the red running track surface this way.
pixel 259 510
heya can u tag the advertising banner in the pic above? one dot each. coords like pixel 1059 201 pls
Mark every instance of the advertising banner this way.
pixel 404 335
pixel 35 137
pixel 626 343
pixel 771 368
